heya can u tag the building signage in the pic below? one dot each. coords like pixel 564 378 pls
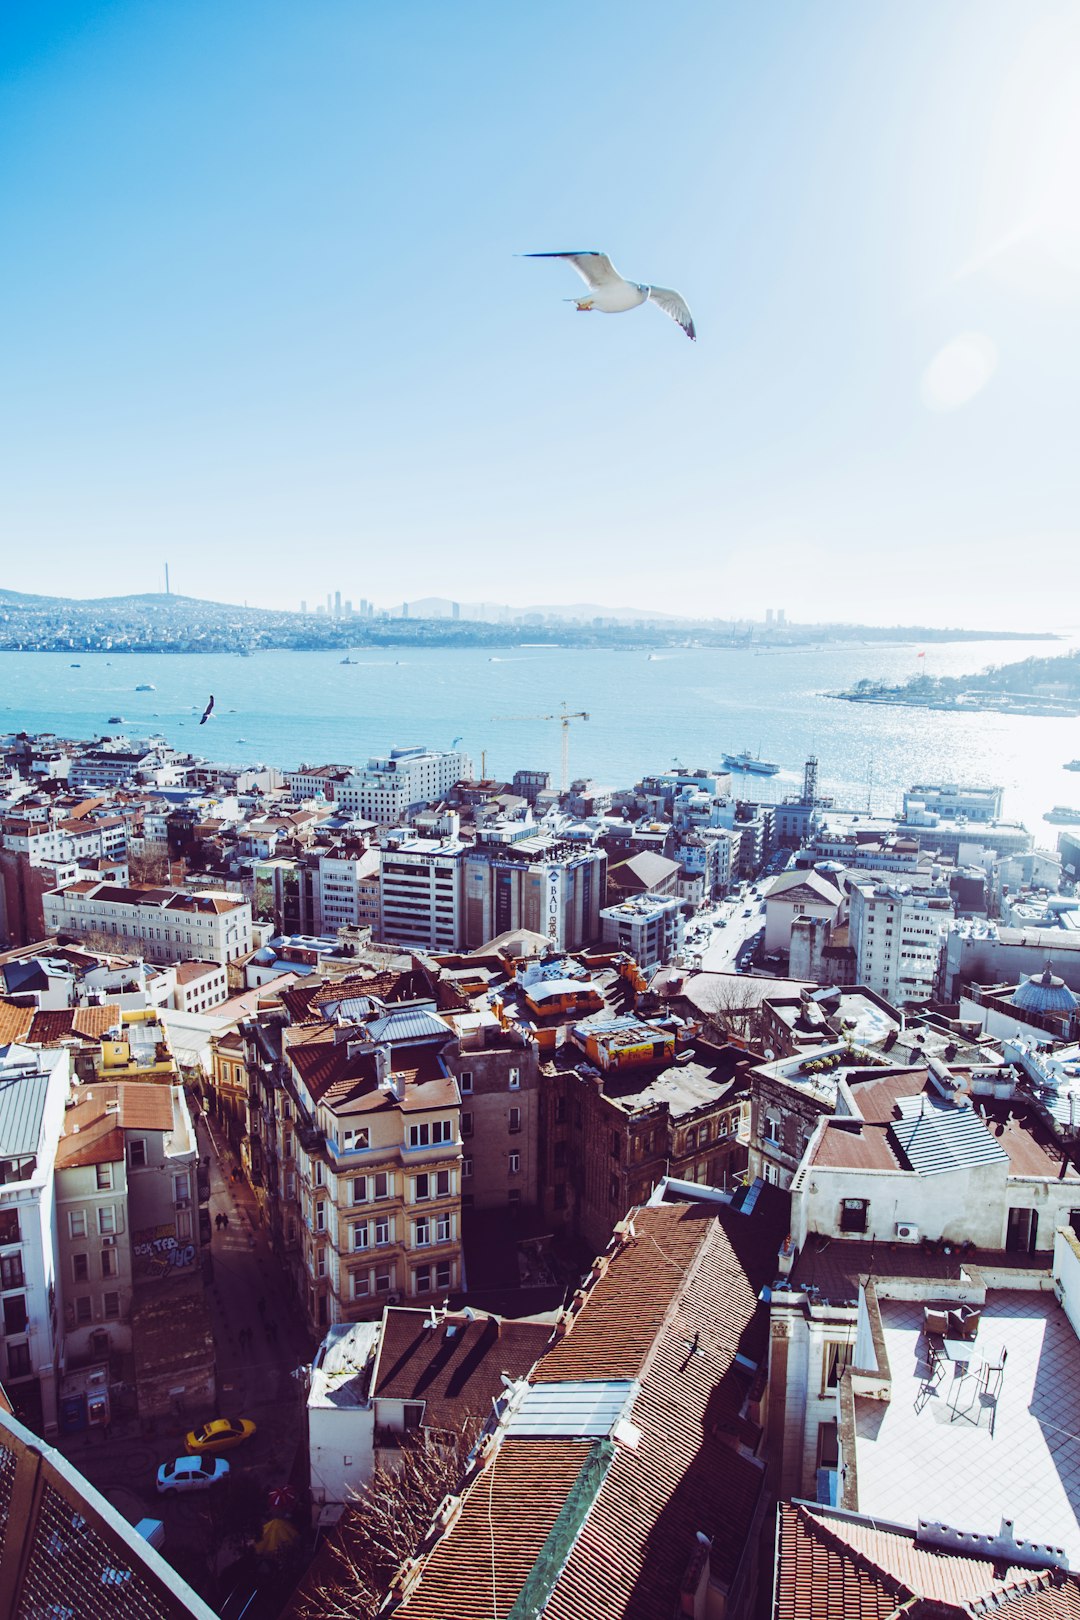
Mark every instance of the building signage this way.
pixel 554 902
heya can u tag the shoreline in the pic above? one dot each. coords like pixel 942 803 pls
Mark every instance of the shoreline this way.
pixel 1034 707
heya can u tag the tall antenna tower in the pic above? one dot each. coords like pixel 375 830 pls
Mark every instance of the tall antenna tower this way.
pixel 166 579
pixel 809 781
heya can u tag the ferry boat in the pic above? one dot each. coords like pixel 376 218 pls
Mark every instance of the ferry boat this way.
pixel 146 686
pixel 752 764
pixel 117 720
pixel 1063 815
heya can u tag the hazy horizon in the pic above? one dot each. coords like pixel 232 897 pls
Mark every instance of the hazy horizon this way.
pixel 264 318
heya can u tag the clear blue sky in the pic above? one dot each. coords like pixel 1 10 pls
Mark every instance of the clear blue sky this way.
pixel 262 314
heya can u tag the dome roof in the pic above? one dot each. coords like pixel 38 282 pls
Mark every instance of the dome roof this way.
pixel 1044 994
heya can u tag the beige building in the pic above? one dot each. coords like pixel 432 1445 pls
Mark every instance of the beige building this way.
pixel 498 1075
pixel 371 1163
pixel 159 924
pixel 798 894
pixel 126 1199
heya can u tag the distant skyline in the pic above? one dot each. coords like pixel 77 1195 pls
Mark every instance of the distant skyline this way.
pixel 263 317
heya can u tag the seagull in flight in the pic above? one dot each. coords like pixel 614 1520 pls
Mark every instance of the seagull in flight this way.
pixel 208 711
pixel 611 294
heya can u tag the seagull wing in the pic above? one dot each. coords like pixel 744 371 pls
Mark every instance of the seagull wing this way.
pixel 674 305
pixel 207 712
pixel 595 269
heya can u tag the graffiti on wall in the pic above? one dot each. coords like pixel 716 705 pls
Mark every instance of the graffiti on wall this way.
pixel 158 1251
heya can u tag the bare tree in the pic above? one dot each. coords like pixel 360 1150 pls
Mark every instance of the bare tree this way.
pixel 151 866
pixel 385 1524
pixel 731 1009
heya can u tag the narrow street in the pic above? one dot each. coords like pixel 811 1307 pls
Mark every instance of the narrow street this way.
pixel 244 1290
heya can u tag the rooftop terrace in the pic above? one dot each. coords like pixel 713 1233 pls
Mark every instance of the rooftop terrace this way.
pixel 978 1448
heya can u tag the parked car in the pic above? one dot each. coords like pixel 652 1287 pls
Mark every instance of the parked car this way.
pixel 220 1434
pixel 191 1474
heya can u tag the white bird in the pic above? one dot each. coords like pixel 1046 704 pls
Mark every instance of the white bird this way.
pixel 611 294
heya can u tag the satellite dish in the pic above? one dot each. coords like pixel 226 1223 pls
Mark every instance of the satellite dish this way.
pixel 770 1055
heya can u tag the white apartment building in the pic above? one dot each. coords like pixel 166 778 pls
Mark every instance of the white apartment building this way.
pixel 897 936
pixel 421 893
pixel 347 877
pixel 66 841
pixel 648 926
pixel 313 781
pixel 161 925
pixel 952 801
pixel 33 1093
pixel 116 760
pixel 406 779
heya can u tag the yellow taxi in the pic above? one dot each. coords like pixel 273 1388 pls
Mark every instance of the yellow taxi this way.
pixel 220 1434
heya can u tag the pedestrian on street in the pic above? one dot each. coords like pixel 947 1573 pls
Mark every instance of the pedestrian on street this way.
pixel 217 1222
pixel 225 1222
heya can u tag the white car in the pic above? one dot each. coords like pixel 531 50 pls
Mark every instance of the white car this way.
pixel 191 1473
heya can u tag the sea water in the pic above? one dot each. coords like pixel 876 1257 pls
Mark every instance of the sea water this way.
pixel 646 712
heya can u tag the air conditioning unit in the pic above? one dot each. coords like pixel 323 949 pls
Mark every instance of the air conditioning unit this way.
pixel 182 1203
pixel 906 1232
pixel 108 1243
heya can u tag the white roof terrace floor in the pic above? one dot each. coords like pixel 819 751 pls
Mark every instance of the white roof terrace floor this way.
pixel 961 1457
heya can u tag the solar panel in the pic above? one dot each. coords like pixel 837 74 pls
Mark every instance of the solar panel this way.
pixel 583 1409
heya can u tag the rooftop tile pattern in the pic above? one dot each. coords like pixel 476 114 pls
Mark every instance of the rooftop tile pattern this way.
pixel 832 1567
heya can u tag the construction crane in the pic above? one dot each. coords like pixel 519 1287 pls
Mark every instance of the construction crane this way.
pixel 564 720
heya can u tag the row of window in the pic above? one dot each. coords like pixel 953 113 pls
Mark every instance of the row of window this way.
pixel 513 1122
pixel 465 1080
pixel 78 1222
pixel 357 1139
pixel 381 1279
pixel 80 1265
pixel 83 1308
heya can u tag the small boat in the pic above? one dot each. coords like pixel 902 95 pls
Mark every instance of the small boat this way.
pixel 349 660
pixel 146 686
pixel 752 764
pixel 117 720
pixel 1063 814
pixel 1070 765
pixel 74 666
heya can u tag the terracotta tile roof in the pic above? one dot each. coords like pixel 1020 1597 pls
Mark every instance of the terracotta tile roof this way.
pixel 876 1099
pixel 304 1001
pixel 455 1376
pixel 14 1022
pixel 102 1142
pixel 865 1148
pixel 94 1126
pixel 523 1489
pixel 627 1307
pixel 818 1579
pixel 688 1473
pixel 335 1078
pixel 94 1021
pixel 71 1022
pixel 186 972
pixel 677 1304
pixel 832 1566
